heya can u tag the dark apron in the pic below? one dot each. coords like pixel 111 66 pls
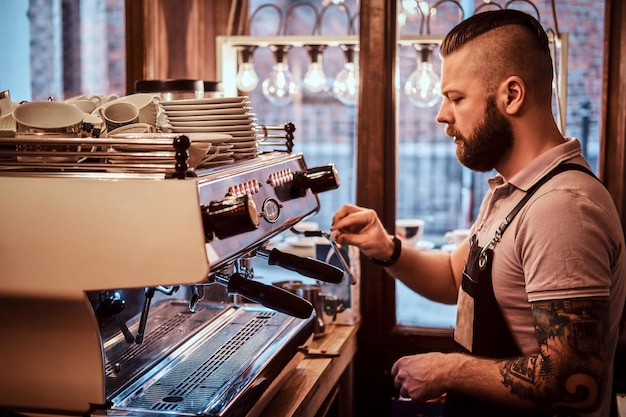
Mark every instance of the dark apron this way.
pixel 481 329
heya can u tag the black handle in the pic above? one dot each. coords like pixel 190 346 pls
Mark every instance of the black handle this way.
pixel 270 296
pixel 309 267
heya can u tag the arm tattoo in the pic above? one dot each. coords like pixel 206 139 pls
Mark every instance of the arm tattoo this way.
pixel 568 371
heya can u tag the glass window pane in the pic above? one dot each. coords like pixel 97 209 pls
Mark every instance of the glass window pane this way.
pixel 325 127
pixel 432 185
pixel 64 47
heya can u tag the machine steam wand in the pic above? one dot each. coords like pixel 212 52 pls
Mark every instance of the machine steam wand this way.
pixel 149 293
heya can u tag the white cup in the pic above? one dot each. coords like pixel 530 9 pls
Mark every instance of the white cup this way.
pixel 456 236
pixel 101 100
pixel 85 105
pixel 145 102
pixel 5 103
pixel 410 230
pixel 48 116
pixel 118 114
pixel 93 126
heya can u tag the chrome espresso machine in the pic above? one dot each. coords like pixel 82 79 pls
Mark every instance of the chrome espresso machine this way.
pixel 126 289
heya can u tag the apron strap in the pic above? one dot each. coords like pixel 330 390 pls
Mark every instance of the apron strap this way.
pixel 509 218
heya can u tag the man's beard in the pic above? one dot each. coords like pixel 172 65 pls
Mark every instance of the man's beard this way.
pixel 488 143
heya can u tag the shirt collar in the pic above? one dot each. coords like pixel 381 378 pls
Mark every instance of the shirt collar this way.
pixel 541 165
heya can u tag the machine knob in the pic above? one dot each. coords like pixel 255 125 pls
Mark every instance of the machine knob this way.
pixel 230 217
pixel 318 179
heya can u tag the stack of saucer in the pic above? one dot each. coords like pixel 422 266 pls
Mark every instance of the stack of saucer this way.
pixel 155 150
pixel 227 115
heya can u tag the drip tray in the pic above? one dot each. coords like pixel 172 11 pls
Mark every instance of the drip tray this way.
pixel 221 370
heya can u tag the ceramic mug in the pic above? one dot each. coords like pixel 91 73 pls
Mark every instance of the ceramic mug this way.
pixel 409 230
pixel 456 236
pixel 101 100
pixel 5 103
pixel 119 114
pixel 93 126
pixel 146 105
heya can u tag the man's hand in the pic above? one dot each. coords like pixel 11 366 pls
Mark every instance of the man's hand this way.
pixel 361 227
pixel 422 377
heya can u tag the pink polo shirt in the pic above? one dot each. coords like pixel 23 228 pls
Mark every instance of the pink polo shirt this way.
pixel 566 242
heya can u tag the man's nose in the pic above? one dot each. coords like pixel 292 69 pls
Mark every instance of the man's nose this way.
pixel 443 115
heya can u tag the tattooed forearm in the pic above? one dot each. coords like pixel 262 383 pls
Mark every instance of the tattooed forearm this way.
pixel 569 367
pixel 519 375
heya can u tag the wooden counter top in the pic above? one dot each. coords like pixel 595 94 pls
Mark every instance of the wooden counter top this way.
pixel 322 371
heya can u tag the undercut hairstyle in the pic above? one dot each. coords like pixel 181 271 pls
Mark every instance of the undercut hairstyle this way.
pixel 505 43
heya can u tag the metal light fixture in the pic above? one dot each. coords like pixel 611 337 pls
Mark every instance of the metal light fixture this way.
pixel 422 87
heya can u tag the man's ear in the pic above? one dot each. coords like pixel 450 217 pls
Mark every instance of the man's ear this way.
pixel 513 94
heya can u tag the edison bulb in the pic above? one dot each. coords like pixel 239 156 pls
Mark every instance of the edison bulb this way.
pixel 280 88
pixel 346 85
pixel 423 85
pixel 315 80
pixel 247 80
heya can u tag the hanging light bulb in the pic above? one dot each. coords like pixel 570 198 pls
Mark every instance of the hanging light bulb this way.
pixel 346 84
pixel 423 85
pixel 247 80
pixel 279 87
pixel 410 7
pixel 315 80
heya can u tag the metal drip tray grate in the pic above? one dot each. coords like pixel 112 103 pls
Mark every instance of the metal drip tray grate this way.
pixel 209 376
pixel 201 377
pixel 169 325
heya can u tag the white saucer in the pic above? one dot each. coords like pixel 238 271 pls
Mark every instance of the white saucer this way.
pixel 227 118
pixel 205 107
pixel 246 155
pixel 230 130
pixel 212 123
pixel 208 112
pixel 243 134
pixel 243 144
pixel 214 163
pixel 208 100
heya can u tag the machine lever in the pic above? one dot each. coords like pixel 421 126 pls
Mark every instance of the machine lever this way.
pixel 141 331
pixel 309 267
pixel 270 296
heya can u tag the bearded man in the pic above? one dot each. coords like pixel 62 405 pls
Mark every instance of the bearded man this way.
pixel 540 282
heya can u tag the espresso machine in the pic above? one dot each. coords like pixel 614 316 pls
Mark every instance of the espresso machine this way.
pixel 129 291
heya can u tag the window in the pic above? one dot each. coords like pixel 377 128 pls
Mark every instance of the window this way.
pixel 448 195
pixel 432 185
pixel 62 48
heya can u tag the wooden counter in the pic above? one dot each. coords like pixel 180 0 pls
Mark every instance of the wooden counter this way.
pixel 319 375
